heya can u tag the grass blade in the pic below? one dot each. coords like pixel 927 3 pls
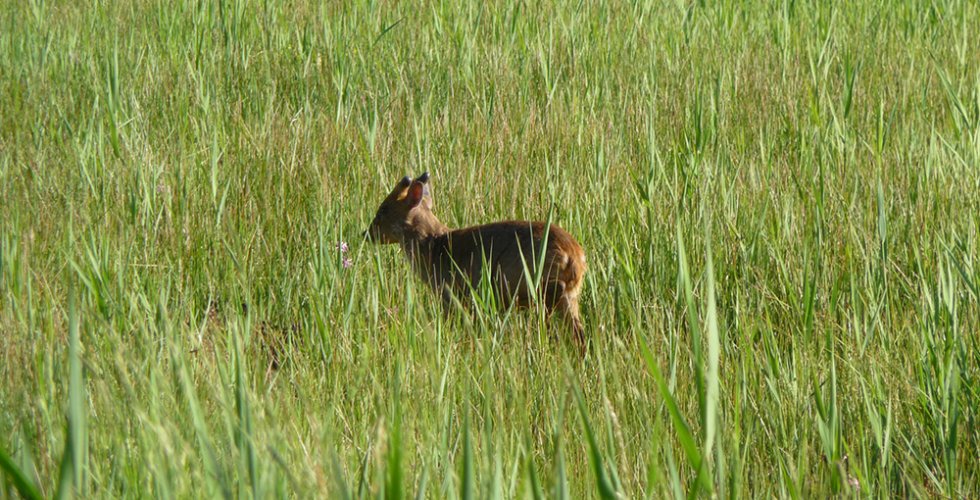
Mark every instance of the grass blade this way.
pixel 468 486
pixel 24 486
pixel 71 477
pixel 684 435
pixel 605 487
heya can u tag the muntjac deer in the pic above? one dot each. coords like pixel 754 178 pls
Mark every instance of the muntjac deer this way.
pixel 454 261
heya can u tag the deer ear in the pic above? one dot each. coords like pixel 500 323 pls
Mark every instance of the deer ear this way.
pixel 415 193
pixel 402 184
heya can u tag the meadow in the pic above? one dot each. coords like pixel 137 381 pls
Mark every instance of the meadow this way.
pixel 779 202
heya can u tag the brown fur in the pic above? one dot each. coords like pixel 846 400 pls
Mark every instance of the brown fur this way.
pixel 453 262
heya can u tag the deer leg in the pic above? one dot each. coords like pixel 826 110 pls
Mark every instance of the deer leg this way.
pixel 559 301
pixel 570 312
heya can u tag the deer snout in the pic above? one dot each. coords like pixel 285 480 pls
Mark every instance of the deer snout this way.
pixel 373 235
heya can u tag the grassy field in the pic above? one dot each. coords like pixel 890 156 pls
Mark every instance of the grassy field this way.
pixel 779 201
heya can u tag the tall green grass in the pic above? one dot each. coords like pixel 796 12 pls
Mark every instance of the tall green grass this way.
pixel 778 200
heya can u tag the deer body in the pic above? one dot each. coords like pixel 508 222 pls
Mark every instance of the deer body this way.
pixel 508 254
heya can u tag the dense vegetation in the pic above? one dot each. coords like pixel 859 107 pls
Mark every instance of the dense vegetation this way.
pixel 779 202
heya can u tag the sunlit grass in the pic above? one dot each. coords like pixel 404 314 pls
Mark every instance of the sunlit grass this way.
pixel 779 204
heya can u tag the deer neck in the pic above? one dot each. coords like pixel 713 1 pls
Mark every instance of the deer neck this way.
pixel 418 234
